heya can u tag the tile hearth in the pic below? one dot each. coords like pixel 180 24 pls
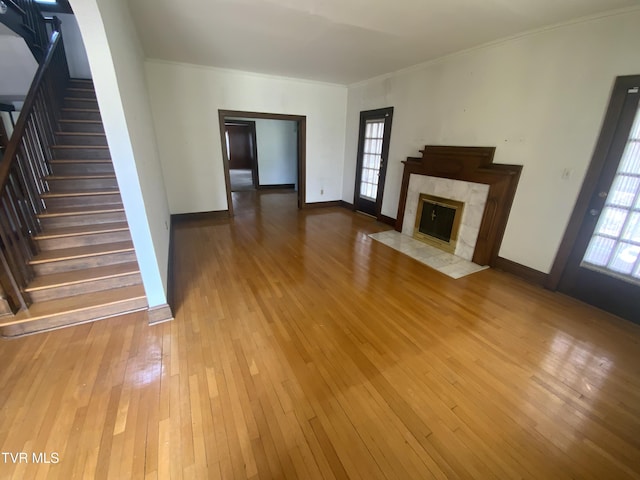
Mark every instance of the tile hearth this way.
pixel 451 265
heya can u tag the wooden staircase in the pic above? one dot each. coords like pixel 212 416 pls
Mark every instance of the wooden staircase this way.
pixel 85 268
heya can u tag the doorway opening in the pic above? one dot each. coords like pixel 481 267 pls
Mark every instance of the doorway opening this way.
pixel 371 166
pixel 241 144
pixel 263 151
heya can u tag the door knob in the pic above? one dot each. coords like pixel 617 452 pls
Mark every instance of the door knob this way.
pixel 594 212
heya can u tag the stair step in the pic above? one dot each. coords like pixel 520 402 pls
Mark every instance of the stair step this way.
pixel 83 197
pixel 80 113
pixel 71 152
pixel 89 126
pixel 76 282
pixel 82 81
pixel 77 236
pixel 81 215
pixel 82 167
pixel 71 183
pixel 81 138
pixel 81 92
pixel 67 259
pixel 84 230
pixel 81 210
pixel 80 102
pixel 75 310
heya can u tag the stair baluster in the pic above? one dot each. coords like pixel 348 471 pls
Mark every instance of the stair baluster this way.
pixel 23 170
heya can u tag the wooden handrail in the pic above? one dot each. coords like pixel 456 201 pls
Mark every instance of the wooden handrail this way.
pixel 23 171
pixel 19 129
pixel 31 26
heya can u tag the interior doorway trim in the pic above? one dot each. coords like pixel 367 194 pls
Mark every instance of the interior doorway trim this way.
pixel 302 142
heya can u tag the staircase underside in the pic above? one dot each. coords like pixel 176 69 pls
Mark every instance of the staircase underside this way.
pixel 86 268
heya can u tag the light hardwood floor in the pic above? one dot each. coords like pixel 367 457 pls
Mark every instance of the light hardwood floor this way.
pixel 301 349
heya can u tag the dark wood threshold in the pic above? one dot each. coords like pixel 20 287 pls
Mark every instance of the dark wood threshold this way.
pixel 332 203
pixel 282 186
pixel 528 274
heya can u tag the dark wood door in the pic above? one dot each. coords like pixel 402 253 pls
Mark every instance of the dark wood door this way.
pixel 603 267
pixel 240 146
pixel 373 153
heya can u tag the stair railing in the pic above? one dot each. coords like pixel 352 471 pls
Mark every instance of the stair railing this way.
pixel 23 172
pixel 33 27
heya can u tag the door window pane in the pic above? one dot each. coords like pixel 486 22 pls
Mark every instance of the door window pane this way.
pixel 599 251
pixel 372 152
pixel 615 245
pixel 624 258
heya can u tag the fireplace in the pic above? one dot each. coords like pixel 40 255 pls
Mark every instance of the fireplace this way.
pixel 466 174
pixel 438 221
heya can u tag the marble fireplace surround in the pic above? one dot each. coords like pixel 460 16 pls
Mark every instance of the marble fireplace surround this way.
pixel 472 165
pixel 473 195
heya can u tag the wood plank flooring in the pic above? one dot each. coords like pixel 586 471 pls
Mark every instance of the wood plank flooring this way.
pixel 302 349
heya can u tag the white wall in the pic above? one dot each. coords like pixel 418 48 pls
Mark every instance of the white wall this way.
pixel 277 145
pixel 540 99
pixel 185 100
pixel 18 66
pixel 116 61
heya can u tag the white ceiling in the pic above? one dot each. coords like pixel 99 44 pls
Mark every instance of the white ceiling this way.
pixel 340 41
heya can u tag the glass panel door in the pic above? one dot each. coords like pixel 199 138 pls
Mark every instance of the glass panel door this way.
pixel 373 149
pixel 614 248
pixel 372 154
pixel 603 264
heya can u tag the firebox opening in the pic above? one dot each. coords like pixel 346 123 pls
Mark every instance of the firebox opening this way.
pixel 438 221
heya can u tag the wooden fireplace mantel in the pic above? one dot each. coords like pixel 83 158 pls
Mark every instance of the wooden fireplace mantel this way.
pixel 469 164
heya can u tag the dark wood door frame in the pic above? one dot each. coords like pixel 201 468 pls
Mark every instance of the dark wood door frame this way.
pixel 387 114
pixel 302 142
pixel 254 164
pixel 590 183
